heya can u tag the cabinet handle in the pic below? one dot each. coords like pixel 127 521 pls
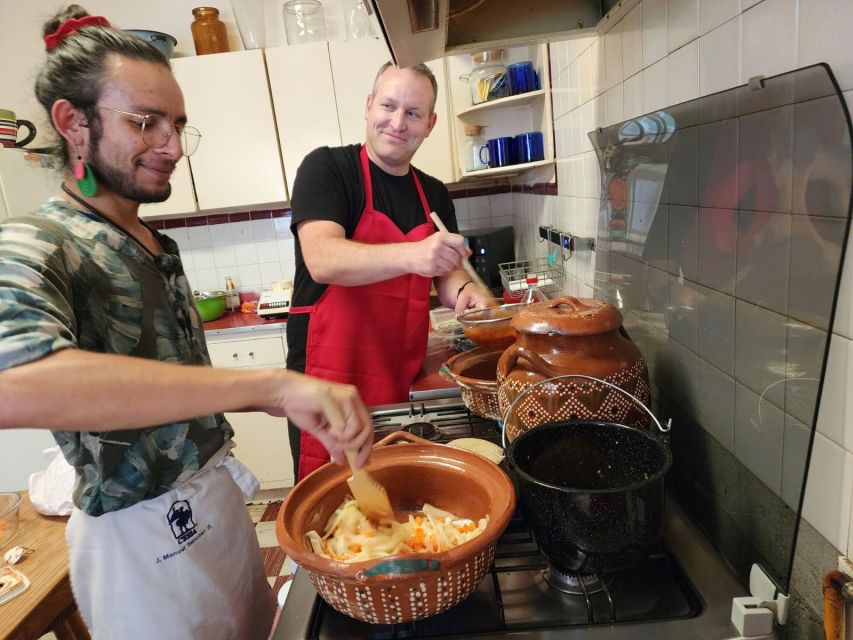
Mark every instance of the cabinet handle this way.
pixel 234 355
pixel 251 354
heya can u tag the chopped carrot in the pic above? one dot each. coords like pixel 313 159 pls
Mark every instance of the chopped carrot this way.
pixel 355 547
pixel 419 520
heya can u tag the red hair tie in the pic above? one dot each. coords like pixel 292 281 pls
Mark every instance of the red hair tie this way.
pixel 70 27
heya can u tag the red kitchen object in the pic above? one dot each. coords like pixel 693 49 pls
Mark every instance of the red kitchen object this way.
pixel 382 355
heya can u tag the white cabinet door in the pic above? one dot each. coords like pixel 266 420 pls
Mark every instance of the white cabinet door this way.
pixel 182 200
pixel 435 156
pixel 262 442
pixel 263 446
pixel 227 99
pixel 354 67
pixel 303 96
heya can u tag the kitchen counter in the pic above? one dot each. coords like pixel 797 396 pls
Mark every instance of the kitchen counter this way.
pixel 429 383
pixel 242 323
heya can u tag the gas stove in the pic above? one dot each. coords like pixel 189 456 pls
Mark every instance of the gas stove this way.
pixel 679 590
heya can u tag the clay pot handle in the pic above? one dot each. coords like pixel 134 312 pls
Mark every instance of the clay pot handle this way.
pixel 569 301
pixel 510 358
pixel 395 436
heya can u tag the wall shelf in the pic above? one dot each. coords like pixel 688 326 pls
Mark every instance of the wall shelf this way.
pixel 504 172
pixel 520 100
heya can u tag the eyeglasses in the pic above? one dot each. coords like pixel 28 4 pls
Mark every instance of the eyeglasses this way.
pixel 157 130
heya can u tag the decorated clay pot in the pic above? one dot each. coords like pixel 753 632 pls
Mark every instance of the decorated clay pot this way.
pixel 476 373
pixel 404 587
pixel 571 336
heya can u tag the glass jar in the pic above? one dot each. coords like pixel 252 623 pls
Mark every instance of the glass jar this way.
pixel 487 79
pixel 475 152
pixel 357 19
pixel 303 21
pixel 208 31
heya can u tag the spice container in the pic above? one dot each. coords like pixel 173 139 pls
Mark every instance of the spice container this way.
pixel 487 79
pixel 232 297
pixel 475 150
pixel 208 31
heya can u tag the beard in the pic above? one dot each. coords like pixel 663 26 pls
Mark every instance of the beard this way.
pixel 119 181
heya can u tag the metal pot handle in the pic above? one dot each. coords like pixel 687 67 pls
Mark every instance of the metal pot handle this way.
pixel 578 375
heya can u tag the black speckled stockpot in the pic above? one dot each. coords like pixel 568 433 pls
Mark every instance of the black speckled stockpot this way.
pixel 592 492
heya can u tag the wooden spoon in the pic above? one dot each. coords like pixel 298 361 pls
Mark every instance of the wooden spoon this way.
pixel 372 498
pixel 466 265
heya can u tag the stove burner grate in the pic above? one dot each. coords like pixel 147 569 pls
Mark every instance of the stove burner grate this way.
pixel 449 418
pixel 575 584
pixel 425 430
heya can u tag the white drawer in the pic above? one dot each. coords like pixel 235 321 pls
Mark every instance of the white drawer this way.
pixel 257 352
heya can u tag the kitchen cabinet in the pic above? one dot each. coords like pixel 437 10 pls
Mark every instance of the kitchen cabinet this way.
pixel 262 443
pixel 303 95
pixel 508 116
pixel 182 199
pixel 228 100
pixel 320 91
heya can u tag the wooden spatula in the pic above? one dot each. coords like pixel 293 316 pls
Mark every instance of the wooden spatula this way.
pixel 469 268
pixel 371 496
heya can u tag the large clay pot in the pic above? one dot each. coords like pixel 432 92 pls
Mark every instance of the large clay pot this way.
pixel 402 588
pixel 571 336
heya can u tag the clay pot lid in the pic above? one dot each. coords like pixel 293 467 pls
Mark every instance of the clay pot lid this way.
pixel 568 316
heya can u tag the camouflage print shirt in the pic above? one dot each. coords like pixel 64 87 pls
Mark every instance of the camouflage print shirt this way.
pixel 69 279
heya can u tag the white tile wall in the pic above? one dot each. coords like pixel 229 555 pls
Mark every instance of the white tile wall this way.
pixel 674 50
pixel 257 253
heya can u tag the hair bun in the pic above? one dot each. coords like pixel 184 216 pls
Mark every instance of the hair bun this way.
pixel 71 11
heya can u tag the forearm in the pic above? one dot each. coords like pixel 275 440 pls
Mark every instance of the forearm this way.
pixel 447 287
pixel 75 390
pixel 350 263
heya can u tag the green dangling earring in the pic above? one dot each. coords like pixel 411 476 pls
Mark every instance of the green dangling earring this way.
pixel 86 181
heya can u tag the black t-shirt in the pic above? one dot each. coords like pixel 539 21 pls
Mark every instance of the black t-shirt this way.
pixel 329 186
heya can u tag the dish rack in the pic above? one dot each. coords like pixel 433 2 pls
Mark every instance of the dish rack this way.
pixel 514 276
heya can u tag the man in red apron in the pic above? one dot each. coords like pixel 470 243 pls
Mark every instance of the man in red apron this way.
pixel 367 253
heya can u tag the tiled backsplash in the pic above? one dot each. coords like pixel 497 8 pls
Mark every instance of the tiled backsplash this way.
pixel 256 249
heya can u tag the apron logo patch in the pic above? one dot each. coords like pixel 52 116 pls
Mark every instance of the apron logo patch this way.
pixel 180 518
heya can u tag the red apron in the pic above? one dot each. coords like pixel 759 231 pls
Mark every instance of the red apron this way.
pixel 372 336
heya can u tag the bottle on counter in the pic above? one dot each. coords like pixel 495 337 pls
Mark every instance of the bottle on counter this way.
pixel 232 297
pixel 208 31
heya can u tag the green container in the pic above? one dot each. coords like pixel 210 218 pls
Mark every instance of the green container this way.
pixel 210 304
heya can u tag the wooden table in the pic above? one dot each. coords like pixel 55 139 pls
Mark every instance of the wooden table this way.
pixel 48 604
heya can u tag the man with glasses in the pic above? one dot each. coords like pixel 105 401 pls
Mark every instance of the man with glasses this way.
pixel 98 338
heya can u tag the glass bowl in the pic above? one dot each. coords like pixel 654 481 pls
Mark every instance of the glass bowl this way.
pixel 10 503
pixel 491 327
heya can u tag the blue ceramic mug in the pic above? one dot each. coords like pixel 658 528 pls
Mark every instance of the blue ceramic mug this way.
pixel 501 152
pixel 522 77
pixel 529 147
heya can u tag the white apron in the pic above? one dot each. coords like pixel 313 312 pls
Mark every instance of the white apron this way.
pixel 183 566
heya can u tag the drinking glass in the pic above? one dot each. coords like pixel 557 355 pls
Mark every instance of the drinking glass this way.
pixel 250 22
